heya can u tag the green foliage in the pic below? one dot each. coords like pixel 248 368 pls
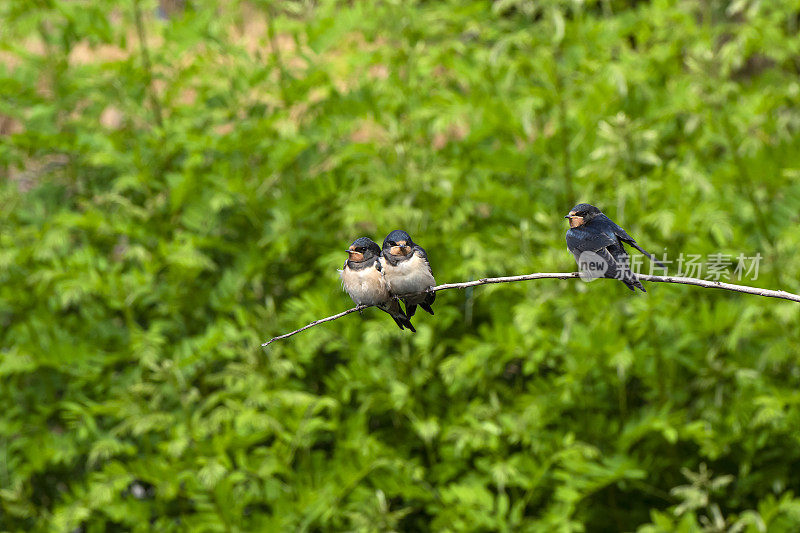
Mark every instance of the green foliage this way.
pixel 165 209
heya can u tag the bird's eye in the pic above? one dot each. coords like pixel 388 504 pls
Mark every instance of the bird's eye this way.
pixel 360 250
pixel 392 243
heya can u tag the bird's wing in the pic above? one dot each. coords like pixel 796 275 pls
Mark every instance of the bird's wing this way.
pixel 429 299
pixel 620 268
pixel 588 241
pixel 653 259
pixel 606 225
pixel 424 255
pixel 609 226
pixel 620 257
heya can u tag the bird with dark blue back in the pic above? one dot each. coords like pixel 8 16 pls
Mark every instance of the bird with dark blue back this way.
pixel 407 271
pixel 595 240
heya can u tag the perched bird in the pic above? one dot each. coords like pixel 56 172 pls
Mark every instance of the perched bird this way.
pixel 363 280
pixel 591 232
pixel 407 271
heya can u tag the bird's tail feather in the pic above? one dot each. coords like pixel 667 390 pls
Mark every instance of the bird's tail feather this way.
pixel 400 318
pixel 402 321
pixel 649 256
pixel 429 299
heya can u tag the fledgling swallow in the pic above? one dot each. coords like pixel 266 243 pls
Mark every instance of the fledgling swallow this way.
pixel 591 231
pixel 363 280
pixel 407 271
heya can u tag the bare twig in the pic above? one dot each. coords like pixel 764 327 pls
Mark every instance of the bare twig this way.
pixel 721 285
pixel 320 321
pixel 569 275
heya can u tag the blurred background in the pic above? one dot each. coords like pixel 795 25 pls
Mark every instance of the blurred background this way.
pixel 178 181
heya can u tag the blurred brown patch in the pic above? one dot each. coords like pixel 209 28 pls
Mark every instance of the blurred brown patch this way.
pixel 456 131
pixel 31 44
pixel 10 125
pixel 78 109
pixel 298 111
pixel 369 131
pixel 439 141
pixel 752 67
pixel 440 71
pixel 187 96
pixel 171 8
pixel 35 169
pixel 224 129
pixel 9 60
pixel 379 72
pixel 251 33
pixel 513 369
pixel 111 118
pixel 84 54
pixel 549 128
pixel 118 253
pixel 158 85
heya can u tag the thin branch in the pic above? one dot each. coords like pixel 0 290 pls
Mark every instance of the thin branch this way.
pixel 320 321
pixel 783 295
pixel 506 279
pixel 569 275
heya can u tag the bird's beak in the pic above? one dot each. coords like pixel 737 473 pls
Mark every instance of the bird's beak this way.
pixel 567 216
pixel 349 251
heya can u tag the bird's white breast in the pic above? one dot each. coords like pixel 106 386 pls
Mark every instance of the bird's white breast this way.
pixel 365 286
pixel 412 275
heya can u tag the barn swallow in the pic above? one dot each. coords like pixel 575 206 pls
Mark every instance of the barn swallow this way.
pixel 407 271
pixel 591 231
pixel 363 280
